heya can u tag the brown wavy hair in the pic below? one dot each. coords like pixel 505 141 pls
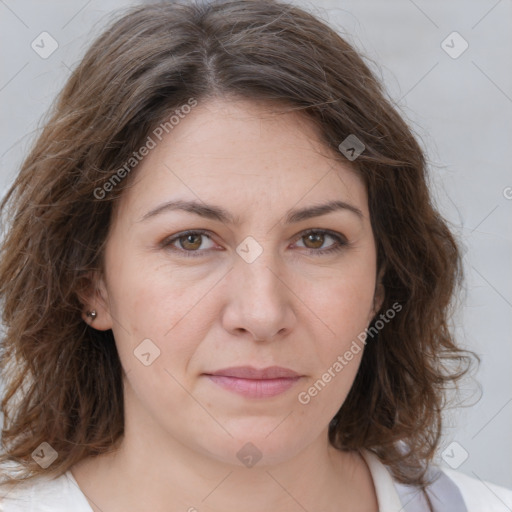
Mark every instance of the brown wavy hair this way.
pixel 63 378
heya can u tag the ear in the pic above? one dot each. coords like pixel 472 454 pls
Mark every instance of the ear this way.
pixel 380 293
pixel 93 295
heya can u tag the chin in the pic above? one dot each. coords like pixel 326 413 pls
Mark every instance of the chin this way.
pixel 264 443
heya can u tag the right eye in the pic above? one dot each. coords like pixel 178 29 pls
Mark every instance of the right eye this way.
pixel 187 243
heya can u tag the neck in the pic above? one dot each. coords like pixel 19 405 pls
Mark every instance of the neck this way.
pixel 151 470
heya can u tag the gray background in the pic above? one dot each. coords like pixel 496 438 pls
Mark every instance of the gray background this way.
pixel 460 109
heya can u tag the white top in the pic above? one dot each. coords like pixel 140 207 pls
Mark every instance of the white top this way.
pixel 452 491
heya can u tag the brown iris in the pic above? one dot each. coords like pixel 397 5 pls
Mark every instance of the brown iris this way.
pixel 317 239
pixel 191 242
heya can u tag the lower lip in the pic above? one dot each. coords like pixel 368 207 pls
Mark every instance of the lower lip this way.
pixel 254 388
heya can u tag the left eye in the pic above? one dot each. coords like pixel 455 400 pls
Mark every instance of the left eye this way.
pixel 314 240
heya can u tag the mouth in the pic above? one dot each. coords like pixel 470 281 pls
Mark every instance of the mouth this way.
pixel 255 383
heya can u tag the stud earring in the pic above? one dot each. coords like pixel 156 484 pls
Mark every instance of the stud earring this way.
pixel 92 314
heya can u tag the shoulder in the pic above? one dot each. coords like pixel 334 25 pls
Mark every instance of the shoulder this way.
pixel 480 495
pixel 449 490
pixel 43 494
pixel 458 492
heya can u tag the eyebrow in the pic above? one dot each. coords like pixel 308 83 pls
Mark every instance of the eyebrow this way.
pixel 213 212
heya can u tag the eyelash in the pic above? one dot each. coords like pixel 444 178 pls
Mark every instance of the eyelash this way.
pixel 340 242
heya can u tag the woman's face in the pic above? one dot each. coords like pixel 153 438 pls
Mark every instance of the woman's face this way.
pixel 249 288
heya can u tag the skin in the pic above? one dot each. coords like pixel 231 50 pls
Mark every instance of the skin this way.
pixel 291 307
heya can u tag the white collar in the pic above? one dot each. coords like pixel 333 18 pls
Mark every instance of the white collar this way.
pixel 387 495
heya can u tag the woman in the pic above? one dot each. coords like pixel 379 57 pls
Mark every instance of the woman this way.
pixel 234 285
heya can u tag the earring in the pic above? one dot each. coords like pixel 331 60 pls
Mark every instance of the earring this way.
pixel 92 314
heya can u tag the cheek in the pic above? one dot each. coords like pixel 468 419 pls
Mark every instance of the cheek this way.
pixel 165 307
pixel 337 354
pixel 345 302
pixel 344 306
pixel 149 297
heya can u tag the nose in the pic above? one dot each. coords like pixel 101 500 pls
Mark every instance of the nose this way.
pixel 260 301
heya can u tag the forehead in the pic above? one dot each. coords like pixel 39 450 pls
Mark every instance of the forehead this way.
pixel 243 154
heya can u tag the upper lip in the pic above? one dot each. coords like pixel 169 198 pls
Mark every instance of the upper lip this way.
pixel 249 372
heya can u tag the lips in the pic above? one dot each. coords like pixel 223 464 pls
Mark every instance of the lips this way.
pixel 253 382
pixel 248 372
